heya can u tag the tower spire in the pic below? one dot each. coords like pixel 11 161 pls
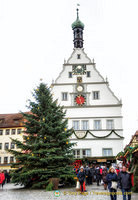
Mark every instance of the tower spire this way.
pixel 77 28
pixel 77 13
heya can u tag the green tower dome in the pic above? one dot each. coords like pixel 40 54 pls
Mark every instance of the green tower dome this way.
pixel 77 23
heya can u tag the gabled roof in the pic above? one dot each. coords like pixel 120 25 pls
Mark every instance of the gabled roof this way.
pixel 11 120
pixel 136 134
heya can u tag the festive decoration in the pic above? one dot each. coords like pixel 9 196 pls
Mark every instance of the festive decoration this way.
pixel 100 137
pixel 130 160
pixel 46 139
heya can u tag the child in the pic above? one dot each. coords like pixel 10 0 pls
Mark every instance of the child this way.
pixel 81 177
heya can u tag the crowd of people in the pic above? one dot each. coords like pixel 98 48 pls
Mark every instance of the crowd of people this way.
pixel 113 178
pixel 4 178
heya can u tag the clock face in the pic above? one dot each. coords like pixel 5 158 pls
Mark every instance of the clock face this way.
pixel 79 69
pixel 80 134
pixel 79 88
pixel 80 100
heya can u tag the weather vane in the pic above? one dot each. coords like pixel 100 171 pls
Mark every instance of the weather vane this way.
pixel 77 9
pixel 78 6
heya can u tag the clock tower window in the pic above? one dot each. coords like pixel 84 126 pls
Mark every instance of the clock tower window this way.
pixel 96 95
pixel 88 74
pixel 78 56
pixel 70 74
pixel 64 96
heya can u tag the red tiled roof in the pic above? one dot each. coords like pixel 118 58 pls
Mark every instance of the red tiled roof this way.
pixel 11 120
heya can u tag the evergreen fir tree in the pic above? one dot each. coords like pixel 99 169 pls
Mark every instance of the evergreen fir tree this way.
pixel 46 151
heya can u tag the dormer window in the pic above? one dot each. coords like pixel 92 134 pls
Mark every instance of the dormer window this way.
pixel 16 121
pixel 78 56
pixel 1 120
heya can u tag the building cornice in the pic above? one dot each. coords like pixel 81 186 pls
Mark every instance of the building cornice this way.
pixel 94 106
pixel 96 139
pixel 108 117
pixel 66 64
pixel 11 127
pixel 94 130
pixel 90 83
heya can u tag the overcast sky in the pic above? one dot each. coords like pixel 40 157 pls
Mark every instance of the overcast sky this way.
pixel 36 37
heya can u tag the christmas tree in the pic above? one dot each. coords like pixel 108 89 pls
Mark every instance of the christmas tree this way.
pixel 46 151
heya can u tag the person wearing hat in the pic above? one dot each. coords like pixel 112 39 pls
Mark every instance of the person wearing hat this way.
pixel 81 177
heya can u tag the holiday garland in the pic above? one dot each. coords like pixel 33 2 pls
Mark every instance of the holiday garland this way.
pixel 98 137
pixel 127 152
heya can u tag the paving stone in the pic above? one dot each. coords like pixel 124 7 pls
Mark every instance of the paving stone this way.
pixel 12 192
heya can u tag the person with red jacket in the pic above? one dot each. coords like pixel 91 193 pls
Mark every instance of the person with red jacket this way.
pixel 2 178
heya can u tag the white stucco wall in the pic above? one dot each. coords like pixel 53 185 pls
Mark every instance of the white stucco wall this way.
pixel 107 107
pixel 96 146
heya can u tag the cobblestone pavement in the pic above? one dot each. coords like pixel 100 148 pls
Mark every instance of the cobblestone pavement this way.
pixel 11 192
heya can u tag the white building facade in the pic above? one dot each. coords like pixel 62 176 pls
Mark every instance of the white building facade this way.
pixel 92 109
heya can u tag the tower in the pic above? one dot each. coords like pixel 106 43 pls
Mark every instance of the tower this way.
pixel 77 28
pixel 92 108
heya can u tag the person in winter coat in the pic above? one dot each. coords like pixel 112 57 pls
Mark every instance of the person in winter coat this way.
pixel 7 177
pixel 104 174
pixel 98 175
pixel 112 177
pixel 81 177
pixel 91 175
pixel 2 178
pixel 124 183
pixel 87 173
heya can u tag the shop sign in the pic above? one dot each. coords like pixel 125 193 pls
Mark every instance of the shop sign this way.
pixel 101 160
